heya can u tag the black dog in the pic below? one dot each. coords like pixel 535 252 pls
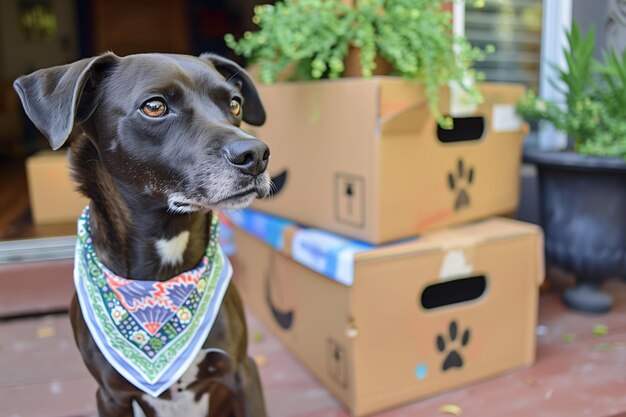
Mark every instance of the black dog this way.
pixel 158 148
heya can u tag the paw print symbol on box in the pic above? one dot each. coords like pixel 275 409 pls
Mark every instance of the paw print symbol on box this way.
pixel 459 179
pixel 451 346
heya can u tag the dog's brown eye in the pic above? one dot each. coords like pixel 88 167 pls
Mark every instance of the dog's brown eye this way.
pixel 235 107
pixel 154 108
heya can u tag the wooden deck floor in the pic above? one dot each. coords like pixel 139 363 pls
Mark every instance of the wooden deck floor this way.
pixel 576 374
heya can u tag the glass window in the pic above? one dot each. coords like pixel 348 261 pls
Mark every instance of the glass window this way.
pixel 514 28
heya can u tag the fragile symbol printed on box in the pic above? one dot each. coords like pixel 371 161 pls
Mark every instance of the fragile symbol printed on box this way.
pixel 459 180
pixel 350 199
pixel 337 362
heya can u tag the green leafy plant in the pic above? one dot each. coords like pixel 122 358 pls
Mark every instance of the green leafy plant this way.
pixel 594 112
pixel 312 38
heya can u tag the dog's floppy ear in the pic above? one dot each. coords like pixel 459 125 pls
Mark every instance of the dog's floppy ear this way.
pixel 253 111
pixel 51 96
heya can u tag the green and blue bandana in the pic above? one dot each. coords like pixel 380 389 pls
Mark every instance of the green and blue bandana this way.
pixel 149 331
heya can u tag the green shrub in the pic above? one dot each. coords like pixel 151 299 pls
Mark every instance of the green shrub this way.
pixel 594 112
pixel 313 37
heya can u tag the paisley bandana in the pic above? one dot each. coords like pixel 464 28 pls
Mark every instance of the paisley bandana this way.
pixel 149 331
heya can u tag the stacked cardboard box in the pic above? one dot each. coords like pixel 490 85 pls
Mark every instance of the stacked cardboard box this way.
pixel 359 165
pixel 366 159
pixel 53 194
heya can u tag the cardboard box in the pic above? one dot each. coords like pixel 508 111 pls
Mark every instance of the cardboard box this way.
pixel 382 326
pixel 53 195
pixel 365 158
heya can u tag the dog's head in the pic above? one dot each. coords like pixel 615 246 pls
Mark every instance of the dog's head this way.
pixel 165 125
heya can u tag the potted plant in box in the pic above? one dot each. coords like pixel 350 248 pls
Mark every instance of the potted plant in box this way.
pixel 313 39
pixel 583 189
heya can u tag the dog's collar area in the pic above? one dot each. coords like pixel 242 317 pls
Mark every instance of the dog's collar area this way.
pixel 149 331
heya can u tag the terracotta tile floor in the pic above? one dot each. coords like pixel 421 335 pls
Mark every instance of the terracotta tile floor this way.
pixel 41 374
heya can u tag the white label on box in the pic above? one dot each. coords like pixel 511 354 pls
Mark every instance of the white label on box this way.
pixel 455 265
pixel 504 119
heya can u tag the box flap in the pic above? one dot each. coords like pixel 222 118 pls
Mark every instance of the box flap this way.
pixel 398 95
pixel 498 105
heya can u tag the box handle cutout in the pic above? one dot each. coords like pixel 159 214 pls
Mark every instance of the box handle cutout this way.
pixel 452 292
pixel 465 129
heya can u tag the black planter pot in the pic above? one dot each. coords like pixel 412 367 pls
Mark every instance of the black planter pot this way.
pixel 583 215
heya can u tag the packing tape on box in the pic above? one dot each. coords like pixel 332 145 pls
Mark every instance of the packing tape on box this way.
pixel 456 263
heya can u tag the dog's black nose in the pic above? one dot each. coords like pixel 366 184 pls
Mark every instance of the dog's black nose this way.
pixel 249 155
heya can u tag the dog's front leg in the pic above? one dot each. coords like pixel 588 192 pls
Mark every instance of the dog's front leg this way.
pixel 108 407
pixel 248 393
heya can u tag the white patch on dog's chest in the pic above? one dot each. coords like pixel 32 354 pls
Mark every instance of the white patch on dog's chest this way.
pixel 181 404
pixel 171 250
